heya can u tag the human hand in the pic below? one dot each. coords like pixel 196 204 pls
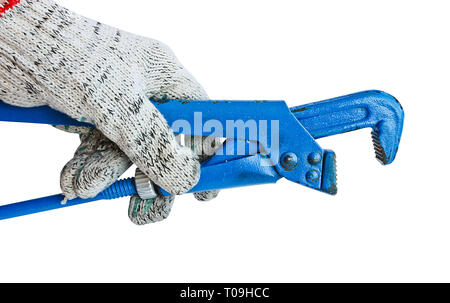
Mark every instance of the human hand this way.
pixel 96 73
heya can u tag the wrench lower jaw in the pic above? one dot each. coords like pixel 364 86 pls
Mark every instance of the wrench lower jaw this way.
pixel 329 175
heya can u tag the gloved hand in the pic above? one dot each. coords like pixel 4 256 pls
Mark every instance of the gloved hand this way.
pixel 96 73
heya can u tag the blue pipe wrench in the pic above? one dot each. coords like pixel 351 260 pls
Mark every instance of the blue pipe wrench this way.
pixel 297 156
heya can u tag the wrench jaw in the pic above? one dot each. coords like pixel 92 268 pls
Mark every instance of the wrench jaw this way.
pixel 370 109
pixel 380 152
pixel 386 138
pixel 329 173
pixel 388 116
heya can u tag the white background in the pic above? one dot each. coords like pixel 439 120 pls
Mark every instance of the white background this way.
pixel 387 224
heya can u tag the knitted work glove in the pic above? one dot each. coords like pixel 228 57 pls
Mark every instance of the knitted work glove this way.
pixel 143 212
pixel 96 73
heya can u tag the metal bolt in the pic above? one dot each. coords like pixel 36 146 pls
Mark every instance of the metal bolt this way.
pixel 312 176
pixel 314 158
pixel 289 161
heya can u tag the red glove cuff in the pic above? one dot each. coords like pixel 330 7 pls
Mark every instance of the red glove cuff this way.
pixel 7 6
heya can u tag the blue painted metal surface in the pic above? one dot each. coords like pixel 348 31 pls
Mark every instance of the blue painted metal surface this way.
pixel 122 188
pixel 299 157
pixel 375 109
pixel 36 115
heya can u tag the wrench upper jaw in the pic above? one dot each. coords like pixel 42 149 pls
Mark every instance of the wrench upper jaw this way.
pixel 370 109
pixel 387 117
pixel 386 139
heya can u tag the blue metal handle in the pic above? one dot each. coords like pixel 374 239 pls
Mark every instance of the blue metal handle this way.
pixel 36 115
pixel 120 189
pixel 245 171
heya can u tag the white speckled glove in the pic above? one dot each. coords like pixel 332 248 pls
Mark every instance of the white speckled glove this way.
pixel 96 73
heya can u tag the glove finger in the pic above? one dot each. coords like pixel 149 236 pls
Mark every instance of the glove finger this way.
pixel 96 165
pixel 17 87
pixel 206 195
pixel 145 136
pixel 185 86
pixel 69 174
pixel 100 170
pixel 89 139
pixel 143 212
pixel 205 147
pixel 178 83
